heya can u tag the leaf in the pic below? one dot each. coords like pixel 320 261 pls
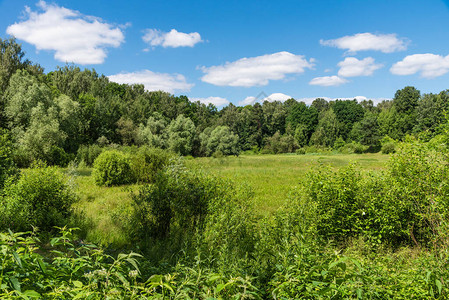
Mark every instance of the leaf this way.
pixel 32 294
pixel 155 279
pixel 15 283
pixel 41 265
pixel 220 287
pixel 77 284
pixel 439 285
pixel 17 258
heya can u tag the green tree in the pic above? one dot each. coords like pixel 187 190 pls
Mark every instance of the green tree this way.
pixel 43 137
pixel 221 139
pixel 366 131
pixel 327 131
pixel 348 112
pixel 154 133
pixel 23 94
pixel 430 112
pixel 180 135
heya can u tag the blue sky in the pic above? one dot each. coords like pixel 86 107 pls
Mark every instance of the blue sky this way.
pixel 232 51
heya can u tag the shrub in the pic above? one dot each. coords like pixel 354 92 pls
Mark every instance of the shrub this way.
pixel 353 147
pixel 388 145
pixel 41 197
pixel 188 205
pixel 147 162
pixel 388 148
pixel 301 151
pixel 112 168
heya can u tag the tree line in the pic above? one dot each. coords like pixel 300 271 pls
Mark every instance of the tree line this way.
pixel 49 116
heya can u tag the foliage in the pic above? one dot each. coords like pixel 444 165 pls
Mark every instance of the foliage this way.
pixel 281 143
pixel 147 162
pixel 88 153
pixel 112 168
pixel 180 133
pixel 388 145
pixel 219 139
pixel 41 198
pixel 7 166
pixel 178 198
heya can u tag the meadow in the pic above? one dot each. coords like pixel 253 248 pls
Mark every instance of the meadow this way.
pixel 269 177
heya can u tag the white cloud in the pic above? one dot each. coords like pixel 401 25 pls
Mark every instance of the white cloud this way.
pixel 328 81
pixel 173 38
pixel 154 81
pixel 256 71
pixel 277 97
pixel 352 67
pixel 250 100
pixel 75 38
pixel 428 65
pixel 386 43
pixel 217 101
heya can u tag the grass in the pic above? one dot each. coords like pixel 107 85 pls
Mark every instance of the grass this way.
pixel 102 211
pixel 271 177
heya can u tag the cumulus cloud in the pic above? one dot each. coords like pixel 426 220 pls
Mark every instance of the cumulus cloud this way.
pixel 428 65
pixel 154 81
pixel 75 38
pixel 250 100
pixel 386 43
pixel 173 38
pixel 256 71
pixel 328 81
pixel 217 101
pixel 277 97
pixel 352 67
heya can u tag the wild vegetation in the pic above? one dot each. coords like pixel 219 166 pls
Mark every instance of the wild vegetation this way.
pixel 101 164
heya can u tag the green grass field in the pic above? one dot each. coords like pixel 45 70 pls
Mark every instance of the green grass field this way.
pixel 270 177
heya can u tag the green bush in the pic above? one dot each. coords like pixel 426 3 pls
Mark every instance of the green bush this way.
pixel 388 148
pixel 388 145
pixel 147 162
pixel 112 168
pixel 353 147
pixel 301 151
pixel 41 197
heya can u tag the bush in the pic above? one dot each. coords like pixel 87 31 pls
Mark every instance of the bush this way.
pixel 41 197
pixel 112 168
pixel 388 148
pixel 353 147
pixel 147 162
pixel 184 205
pixel 301 151
pixel 388 145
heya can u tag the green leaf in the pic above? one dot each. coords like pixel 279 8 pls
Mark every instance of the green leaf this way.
pixel 15 283
pixel 220 287
pixel 17 258
pixel 41 265
pixel 32 294
pixel 439 285
pixel 77 284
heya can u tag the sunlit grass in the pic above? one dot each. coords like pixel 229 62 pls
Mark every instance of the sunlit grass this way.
pixel 104 210
pixel 271 177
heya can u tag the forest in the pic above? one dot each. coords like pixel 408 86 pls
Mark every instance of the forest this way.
pixel 109 191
